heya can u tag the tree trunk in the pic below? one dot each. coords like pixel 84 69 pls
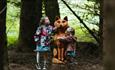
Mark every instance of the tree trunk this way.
pixel 109 34
pixel 101 28
pixel 31 11
pixel 3 38
pixel 52 9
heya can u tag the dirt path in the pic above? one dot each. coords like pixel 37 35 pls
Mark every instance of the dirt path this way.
pixel 26 61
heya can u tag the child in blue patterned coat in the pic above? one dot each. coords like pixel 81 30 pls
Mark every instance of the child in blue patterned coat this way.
pixel 42 38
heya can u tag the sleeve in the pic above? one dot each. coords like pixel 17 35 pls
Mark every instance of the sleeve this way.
pixel 50 30
pixel 36 36
pixel 50 33
pixel 38 31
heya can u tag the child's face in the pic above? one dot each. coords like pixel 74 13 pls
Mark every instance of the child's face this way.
pixel 46 20
pixel 69 33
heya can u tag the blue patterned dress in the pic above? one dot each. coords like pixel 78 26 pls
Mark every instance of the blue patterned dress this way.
pixel 42 38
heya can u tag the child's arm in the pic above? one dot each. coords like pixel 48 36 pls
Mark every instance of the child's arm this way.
pixel 38 31
pixel 36 36
pixel 74 38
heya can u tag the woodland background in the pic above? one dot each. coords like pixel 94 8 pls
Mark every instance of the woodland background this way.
pixel 93 21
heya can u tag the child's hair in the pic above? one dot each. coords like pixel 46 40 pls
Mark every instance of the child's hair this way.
pixel 42 20
pixel 70 30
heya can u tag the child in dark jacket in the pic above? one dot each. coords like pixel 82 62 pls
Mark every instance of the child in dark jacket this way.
pixel 71 44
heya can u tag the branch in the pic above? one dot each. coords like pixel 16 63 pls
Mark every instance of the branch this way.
pixel 2 10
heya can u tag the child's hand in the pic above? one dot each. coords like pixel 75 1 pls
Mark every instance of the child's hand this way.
pixel 36 39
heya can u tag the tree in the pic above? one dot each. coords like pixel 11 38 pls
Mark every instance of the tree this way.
pixel 51 9
pixel 3 38
pixel 100 32
pixel 109 34
pixel 31 11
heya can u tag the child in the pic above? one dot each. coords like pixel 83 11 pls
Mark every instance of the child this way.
pixel 42 38
pixel 71 44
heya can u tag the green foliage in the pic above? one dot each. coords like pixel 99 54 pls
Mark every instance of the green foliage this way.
pixel 97 1
pixel 16 3
pixel 13 13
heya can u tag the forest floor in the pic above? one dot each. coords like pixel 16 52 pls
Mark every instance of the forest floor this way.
pixel 27 61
